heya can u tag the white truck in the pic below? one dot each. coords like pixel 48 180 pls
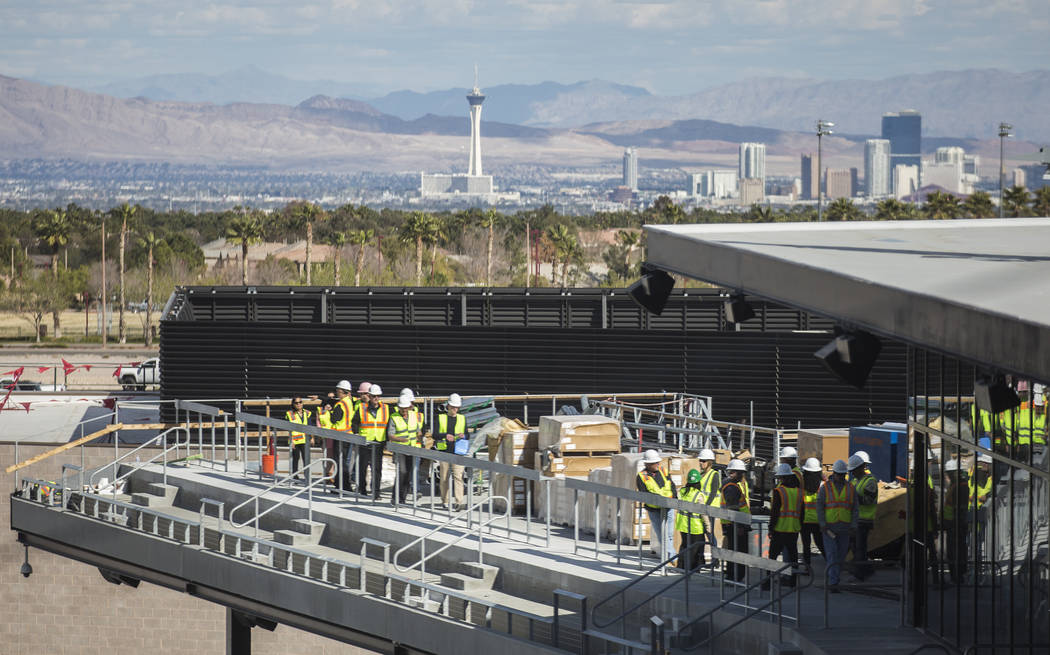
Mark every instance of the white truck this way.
pixel 138 378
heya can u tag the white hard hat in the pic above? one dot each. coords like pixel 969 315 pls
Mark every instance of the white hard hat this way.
pixel 736 465
pixel 951 465
pixel 375 390
pixel 404 401
pixel 784 470
pixel 408 392
pixel 345 385
pixel 839 467
pixel 454 400
pixel 855 462
pixel 986 459
pixel 812 465
pixel 706 454
pixel 652 457
pixel 788 451
pixel 863 456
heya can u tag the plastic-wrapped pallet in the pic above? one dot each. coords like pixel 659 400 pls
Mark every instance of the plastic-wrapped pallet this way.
pixel 515 445
pixel 602 475
pixel 579 434
pixel 561 498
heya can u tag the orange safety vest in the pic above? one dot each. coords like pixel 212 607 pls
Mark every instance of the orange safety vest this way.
pixel 374 428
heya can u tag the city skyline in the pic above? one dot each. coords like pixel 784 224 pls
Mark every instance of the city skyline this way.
pixel 386 46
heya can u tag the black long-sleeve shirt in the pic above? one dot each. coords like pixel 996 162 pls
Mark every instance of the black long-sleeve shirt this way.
pixel 774 510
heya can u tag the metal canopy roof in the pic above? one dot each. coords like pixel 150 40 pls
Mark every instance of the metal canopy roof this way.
pixel 978 289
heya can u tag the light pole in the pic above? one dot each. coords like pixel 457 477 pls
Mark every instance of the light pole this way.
pixel 823 127
pixel 1004 131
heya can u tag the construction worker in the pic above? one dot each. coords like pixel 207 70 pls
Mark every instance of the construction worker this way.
pixel 710 490
pixel 404 429
pixel 980 481
pixel 300 451
pixel 867 488
pixel 350 451
pixel 338 418
pixel 690 525
pixel 785 520
pixel 422 464
pixel 370 421
pixel 812 478
pixel 451 427
pixel 789 456
pixel 653 479
pixel 955 519
pixel 736 497
pixel 838 514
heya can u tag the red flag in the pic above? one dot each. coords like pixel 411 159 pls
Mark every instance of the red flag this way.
pixel 116 373
pixel 26 405
pixel 86 367
pixel 16 373
pixel 67 367
pixel 43 369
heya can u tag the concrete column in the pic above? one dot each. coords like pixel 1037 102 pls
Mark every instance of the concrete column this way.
pixel 238 633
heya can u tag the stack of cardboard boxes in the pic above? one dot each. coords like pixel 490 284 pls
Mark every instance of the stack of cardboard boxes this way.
pixel 573 447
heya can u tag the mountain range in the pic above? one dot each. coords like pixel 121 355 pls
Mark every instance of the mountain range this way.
pixel 960 104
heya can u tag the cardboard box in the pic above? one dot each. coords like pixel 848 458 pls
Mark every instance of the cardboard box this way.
pixel 825 445
pixel 579 433
pixel 575 466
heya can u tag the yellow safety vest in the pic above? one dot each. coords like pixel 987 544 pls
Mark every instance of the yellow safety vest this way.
pixel 809 502
pixel 950 500
pixel 979 493
pixel 866 512
pixel 459 427
pixel 838 503
pixel 745 494
pixel 689 522
pixel 373 428
pixel 347 404
pixel 406 432
pixel 302 417
pixel 790 518
pixel 650 484
pixel 707 487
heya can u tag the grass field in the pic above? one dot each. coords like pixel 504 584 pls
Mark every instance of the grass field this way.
pixel 18 327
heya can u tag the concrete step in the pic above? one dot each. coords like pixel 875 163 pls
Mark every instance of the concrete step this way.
pixel 484 572
pixel 165 491
pixel 463 582
pixel 313 529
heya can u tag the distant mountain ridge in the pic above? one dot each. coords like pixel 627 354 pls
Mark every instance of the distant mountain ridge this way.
pixel 960 104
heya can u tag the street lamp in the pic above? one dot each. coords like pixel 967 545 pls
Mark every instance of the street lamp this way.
pixel 1004 131
pixel 823 127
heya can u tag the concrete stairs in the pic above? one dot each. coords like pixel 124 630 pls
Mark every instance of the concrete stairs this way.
pixel 472 577
pixel 156 495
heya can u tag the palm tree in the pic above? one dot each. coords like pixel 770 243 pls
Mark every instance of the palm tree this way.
pixel 336 240
pixel 978 205
pixel 941 206
pixel 843 209
pixel 54 228
pixel 889 209
pixel 125 213
pixel 1041 202
pixel 628 240
pixel 149 242
pixel 360 238
pixel 306 214
pixel 415 230
pixel 246 229
pixel 566 247
pixel 435 234
pixel 489 220
pixel 1015 202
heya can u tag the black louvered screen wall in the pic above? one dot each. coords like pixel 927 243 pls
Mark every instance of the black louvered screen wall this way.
pixel 228 344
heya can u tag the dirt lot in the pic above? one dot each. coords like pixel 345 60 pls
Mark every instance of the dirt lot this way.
pixel 16 326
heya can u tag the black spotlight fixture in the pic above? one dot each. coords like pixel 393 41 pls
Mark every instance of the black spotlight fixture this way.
pixel 850 356
pixel 27 568
pixel 993 394
pixel 738 309
pixel 653 290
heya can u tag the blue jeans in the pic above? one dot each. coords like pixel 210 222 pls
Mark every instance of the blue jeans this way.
pixel 836 548
pixel 662 531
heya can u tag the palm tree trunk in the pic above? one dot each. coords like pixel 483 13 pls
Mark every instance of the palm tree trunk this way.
pixel 433 258
pixel 105 319
pixel 419 261
pixel 358 264
pixel 309 244
pixel 122 328
pixel 335 265
pixel 244 261
pixel 488 258
pixel 57 331
pixel 564 271
pixel 149 298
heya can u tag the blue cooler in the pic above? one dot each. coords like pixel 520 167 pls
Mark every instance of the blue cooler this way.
pixel 887 445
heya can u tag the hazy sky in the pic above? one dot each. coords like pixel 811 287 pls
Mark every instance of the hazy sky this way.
pixel 668 47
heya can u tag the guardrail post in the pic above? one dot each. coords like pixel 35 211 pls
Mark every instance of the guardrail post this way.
pixel 584 640
pixel 656 635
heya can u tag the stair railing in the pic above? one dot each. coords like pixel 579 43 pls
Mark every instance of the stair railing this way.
pixel 161 438
pixel 481 524
pixel 307 489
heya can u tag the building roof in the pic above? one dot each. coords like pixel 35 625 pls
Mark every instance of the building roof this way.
pixel 978 289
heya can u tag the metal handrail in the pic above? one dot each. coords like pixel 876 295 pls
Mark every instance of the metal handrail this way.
pixel 163 454
pixel 307 488
pixel 422 540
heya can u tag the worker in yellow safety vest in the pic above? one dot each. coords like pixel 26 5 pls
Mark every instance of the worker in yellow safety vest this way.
pixel 300 450
pixel 337 417
pixel 812 478
pixel 789 456
pixel 837 514
pixel 690 525
pixel 654 479
pixel 955 519
pixel 736 496
pixel 785 520
pixel 867 488
pixel 404 429
pixel 451 429
pixel 370 421
pixel 710 491
pixel 980 481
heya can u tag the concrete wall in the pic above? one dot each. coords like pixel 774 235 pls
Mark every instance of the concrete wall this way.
pixel 66 606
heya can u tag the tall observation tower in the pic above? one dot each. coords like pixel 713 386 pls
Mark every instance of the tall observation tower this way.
pixel 475 98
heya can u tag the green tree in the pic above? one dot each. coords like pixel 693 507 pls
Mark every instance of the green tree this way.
pixel 150 242
pixel 337 240
pixel 892 209
pixel 306 214
pixel 36 297
pixel 54 229
pixel 246 229
pixel 760 214
pixel 978 205
pixel 941 206
pixel 360 238
pixel 843 209
pixel 125 213
pixel 566 247
pixel 435 234
pixel 414 231
pixel 489 220
pixel 1015 202
pixel 665 211
pixel 1041 201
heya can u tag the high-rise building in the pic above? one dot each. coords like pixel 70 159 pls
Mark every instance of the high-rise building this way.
pixel 904 132
pixel 810 177
pixel 1035 176
pixel 877 168
pixel 905 180
pixel 946 174
pixel 474 183
pixel 840 183
pixel 949 155
pixel 972 165
pixel 752 161
pixel 715 183
pixel 630 169
pixel 752 190
pixel 475 98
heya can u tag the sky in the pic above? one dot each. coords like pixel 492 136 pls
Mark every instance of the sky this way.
pixel 669 47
